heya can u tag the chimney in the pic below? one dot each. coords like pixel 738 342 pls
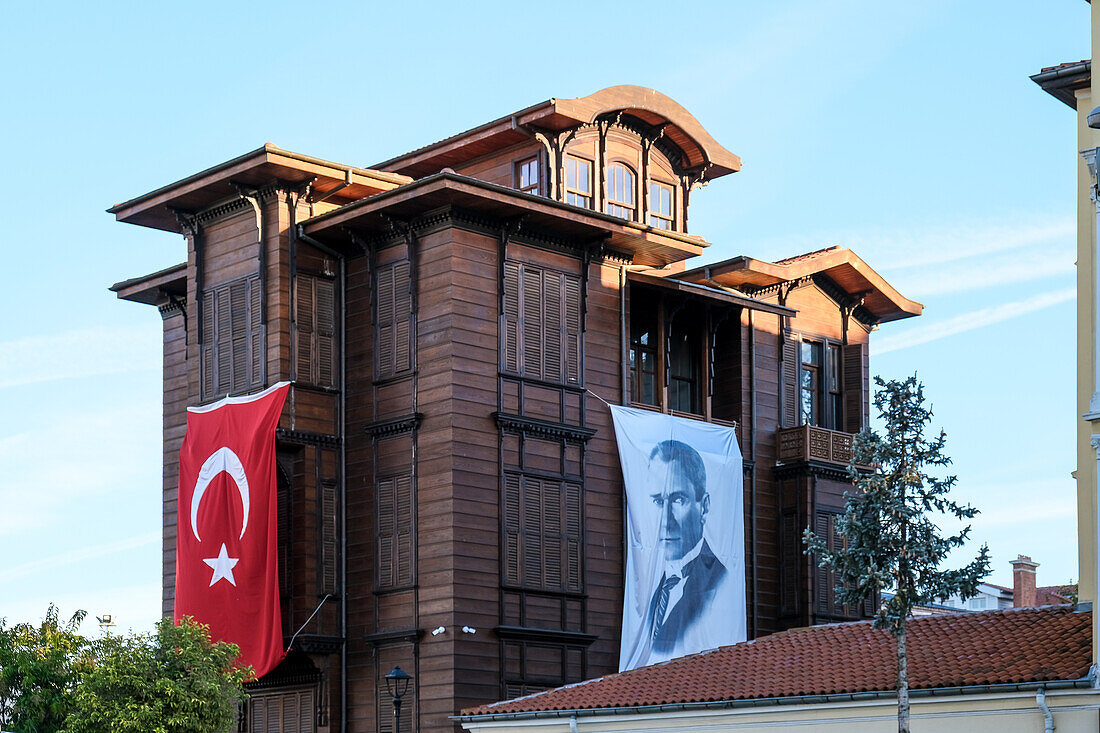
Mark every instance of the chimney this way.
pixel 1023 582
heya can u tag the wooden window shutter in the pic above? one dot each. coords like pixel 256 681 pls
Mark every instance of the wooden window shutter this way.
pixel 531 280
pixel 402 317
pixel 232 338
pixel 511 318
pixel 315 326
pixel 854 382
pixel 208 346
pixel 326 332
pixel 532 534
pixel 385 303
pixel 386 501
pixel 387 658
pixel 823 577
pixel 329 531
pixel 282 522
pixel 791 543
pixel 291 711
pixel 553 326
pixel 255 332
pixel 789 375
pixel 574 522
pixel 403 495
pixel 394 319
pixel 511 529
pixel 573 326
pixel 305 325
pixel 394 498
pixel 223 342
pixel 552 534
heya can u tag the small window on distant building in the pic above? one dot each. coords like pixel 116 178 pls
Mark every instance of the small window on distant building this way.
pixel 620 191
pixel 527 176
pixel 660 205
pixel 578 182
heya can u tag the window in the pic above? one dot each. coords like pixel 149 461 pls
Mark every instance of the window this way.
pixel 578 182
pixel 833 392
pixel 542 323
pixel 393 321
pixel 809 384
pixel 394 531
pixel 315 329
pixel 684 367
pixel 620 191
pixel 232 338
pixel 660 205
pixel 643 351
pixel 542 533
pixel 282 711
pixel 527 176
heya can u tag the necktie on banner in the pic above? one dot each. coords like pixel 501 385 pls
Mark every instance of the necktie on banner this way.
pixel 226 540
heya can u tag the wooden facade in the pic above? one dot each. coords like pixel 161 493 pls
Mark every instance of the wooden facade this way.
pixel 448 320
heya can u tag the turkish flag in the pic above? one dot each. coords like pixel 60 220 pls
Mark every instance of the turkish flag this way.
pixel 226 559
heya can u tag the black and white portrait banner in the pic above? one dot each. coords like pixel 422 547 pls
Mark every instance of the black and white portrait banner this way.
pixel 685 564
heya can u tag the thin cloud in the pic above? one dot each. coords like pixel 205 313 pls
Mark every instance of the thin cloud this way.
pixel 970 321
pixel 73 557
pixel 87 352
pixel 987 272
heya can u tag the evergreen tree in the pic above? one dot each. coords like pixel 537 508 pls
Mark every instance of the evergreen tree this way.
pixel 889 534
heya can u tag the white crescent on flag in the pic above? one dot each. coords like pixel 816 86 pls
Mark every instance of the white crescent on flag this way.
pixel 223 459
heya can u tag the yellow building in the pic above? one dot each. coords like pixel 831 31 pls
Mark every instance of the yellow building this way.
pixel 1073 84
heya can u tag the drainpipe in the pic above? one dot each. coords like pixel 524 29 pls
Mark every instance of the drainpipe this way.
pixel 340 422
pixel 752 455
pixel 1048 719
pixel 573 724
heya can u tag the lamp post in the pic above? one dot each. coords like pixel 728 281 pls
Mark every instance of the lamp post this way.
pixel 397 683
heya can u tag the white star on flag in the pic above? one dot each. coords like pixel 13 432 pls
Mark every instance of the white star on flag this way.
pixel 223 566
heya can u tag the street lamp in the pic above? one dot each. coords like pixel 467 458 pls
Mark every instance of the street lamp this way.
pixel 397 683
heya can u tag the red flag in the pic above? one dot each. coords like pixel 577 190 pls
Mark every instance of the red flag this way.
pixel 226 561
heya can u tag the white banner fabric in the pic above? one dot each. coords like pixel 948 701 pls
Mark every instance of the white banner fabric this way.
pixel 685 563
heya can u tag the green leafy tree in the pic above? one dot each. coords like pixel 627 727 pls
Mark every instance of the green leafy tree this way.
pixel 890 538
pixel 40 667
pixel 175 681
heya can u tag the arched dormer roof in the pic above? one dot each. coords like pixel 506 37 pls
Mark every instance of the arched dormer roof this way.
pixel 557 115
pixel 658 110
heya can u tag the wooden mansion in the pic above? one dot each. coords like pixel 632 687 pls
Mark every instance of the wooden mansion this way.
pixel 447 484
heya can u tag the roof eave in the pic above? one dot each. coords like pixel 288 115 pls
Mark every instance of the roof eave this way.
pixel 650 246
pixel 1062 82
pixel 1081 683
pixel 153 209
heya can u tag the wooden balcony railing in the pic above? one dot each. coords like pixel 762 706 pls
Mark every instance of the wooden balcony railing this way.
pixel 810 443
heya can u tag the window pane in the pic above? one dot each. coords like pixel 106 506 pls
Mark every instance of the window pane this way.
pixel 811 353
pixel 834 368
pixel 808 411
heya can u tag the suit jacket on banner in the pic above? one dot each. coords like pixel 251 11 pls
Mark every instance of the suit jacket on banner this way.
pixel 226 561
pixel 702 578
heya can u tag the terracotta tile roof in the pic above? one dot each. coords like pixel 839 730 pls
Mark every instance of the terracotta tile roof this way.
pixel 1050 595
pixel 992 647
pixel 1064 65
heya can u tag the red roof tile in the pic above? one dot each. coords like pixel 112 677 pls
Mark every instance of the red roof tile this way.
pixel 1051 595
pixel 1064 65
pixel 993 647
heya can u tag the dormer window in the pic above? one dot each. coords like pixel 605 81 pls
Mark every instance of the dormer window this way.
pixel 660 205
pixel 578 182
pixel 620 191
pixel 527 175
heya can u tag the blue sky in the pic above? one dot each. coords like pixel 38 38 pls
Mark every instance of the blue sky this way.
pixel 908 132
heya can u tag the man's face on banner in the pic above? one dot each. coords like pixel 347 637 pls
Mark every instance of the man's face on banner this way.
pixel 683 509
